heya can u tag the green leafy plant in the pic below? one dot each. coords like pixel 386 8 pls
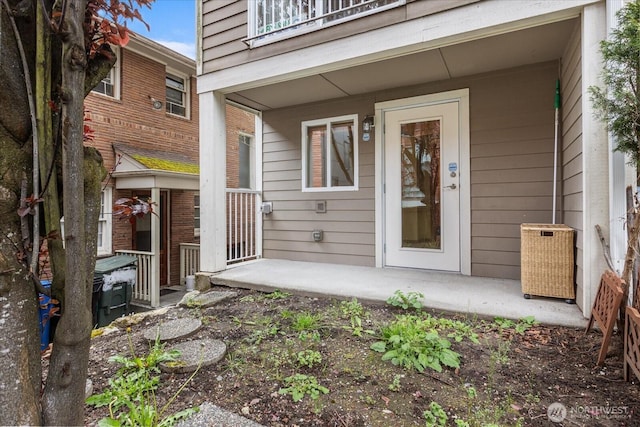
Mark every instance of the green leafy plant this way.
pixel 435 416
pixel 299 385
pixel 309 358
pixel 520 327
pixel 305 321
pixel 454 328
pixel 412 343
pixel 259 335
pixel 395 384
pixel 131 392
pixel 355 312
pixel 277 294
pixel 406 301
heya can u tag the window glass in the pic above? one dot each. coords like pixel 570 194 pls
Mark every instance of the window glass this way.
pixel 330 153
pixel 196 213
pixel 244 160
pixel 176 95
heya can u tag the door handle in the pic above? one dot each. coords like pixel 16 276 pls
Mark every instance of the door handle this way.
pixel 452 186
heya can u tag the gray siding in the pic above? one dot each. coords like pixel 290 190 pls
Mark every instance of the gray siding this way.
pixel 348 224
pixel 224 26
pixel 572 183
pixel 512 136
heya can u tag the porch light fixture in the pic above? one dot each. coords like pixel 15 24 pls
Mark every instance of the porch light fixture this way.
pixel 368 123
pixel 156 104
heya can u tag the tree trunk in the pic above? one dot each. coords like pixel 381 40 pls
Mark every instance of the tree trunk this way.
pixel 20 385
pixel 64 394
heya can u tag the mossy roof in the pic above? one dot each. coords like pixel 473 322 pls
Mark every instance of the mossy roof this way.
pixel 159 160
pixel 166 165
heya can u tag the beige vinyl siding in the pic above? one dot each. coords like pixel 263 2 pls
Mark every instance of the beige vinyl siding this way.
pixel 348 223
pixel 512 133
pixel 572 173
pixel 224 26
pixel 511 164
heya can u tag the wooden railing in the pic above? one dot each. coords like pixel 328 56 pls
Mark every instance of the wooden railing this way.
pixel 144 289
pixel 189 260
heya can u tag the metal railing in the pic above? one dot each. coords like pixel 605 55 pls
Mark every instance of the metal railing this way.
pixel 242 208
pixel 143 289
pixel 272 16
pixel 189 260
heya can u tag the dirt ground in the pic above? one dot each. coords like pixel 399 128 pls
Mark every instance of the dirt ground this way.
pixel 546 375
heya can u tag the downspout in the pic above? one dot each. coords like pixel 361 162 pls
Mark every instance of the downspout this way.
pixel 617 169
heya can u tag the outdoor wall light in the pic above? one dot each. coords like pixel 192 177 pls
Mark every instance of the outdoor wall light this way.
pixel 368 123
pixel 155 103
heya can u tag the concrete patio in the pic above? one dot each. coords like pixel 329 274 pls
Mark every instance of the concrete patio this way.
pixel 451 292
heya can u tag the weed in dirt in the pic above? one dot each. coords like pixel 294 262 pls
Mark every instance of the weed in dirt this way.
pixel 355 313
pixel 435 416
pixel 412 343
pixel 299 385
pixel 305 322
pixel 131 393
pixel 406 301
pixel 504 377
pixel 308 358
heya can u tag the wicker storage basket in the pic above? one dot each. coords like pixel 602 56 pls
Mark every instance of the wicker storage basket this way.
pixel 547 260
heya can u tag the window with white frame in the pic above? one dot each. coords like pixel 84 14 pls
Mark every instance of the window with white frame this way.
pixel 270 20
pixel 245 161
pixel 196 214
pixel 330 154
pixel 110 85
pixel 105 222
pixel 177 90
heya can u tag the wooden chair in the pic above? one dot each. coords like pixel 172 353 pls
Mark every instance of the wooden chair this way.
pixel 631 343
pixel 605 309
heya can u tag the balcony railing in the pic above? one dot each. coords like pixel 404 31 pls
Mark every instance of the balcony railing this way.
pixel 143 289
pixel 271 18
pixel 242 207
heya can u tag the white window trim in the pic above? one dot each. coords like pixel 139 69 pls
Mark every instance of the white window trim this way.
pixel 187 92
pixel 106 217
pixel 115 76
pixel 252 157
pixel 196 231
pixel 327 122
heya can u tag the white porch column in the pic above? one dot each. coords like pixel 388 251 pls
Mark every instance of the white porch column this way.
pixel 617 172
pixel 155 247
pixel 213 182
pixel 595 158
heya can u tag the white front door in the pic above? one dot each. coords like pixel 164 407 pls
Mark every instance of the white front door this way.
pixel 422 186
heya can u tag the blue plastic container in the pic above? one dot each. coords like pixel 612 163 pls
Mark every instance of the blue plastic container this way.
pixel 43 312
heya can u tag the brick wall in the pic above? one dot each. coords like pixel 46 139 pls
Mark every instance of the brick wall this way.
pixel 238 122
pixel 132 120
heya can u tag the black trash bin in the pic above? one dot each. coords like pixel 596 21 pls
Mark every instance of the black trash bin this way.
pixel 113 282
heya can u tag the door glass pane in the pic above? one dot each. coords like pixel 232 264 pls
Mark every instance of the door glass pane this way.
pixel 420 177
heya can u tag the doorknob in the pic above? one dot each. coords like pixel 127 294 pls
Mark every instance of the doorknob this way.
pixel 452 186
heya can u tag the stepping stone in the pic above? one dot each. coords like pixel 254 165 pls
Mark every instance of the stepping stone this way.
pixel 173 329
pixel 205 299
pixel 194 354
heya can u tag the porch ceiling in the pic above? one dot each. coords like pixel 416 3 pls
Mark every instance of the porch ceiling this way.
pixel 527 46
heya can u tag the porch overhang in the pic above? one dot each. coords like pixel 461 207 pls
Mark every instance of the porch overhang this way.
pixel 477 38
pixel 139 168
pixel 154 178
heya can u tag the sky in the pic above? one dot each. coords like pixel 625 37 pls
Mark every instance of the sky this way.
pixel 172 23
